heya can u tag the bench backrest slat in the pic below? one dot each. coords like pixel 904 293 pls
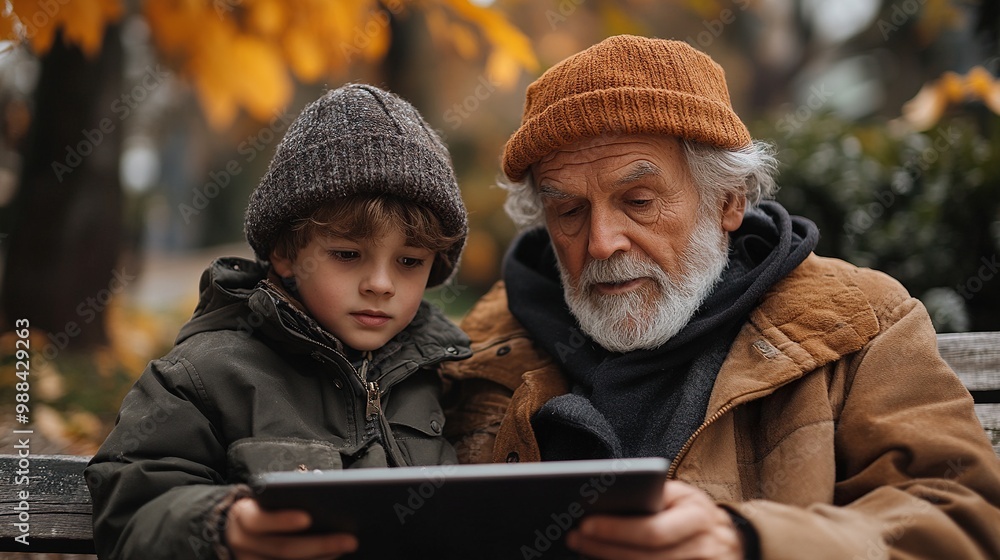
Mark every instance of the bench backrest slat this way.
pixel 989 416
pixel 59 503
pixel 57 507
pixel 975 357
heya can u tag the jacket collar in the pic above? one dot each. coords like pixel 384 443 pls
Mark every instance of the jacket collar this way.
pixel 429 339
pixel 243 295
pixel 809 319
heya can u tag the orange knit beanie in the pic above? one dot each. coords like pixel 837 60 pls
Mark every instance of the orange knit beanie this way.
pixel 625 85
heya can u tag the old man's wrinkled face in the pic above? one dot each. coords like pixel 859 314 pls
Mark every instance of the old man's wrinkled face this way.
pixel 638 249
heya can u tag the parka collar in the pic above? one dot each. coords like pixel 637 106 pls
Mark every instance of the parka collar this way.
pixel 243 295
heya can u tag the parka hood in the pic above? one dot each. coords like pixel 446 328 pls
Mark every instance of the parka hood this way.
pixel 224 289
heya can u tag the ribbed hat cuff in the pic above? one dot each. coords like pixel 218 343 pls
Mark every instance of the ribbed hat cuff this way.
pixel 617 111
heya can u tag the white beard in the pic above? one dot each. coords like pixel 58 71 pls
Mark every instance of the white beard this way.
pixel 649 316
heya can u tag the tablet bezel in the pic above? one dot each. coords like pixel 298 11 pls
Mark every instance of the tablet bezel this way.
pixel 462 505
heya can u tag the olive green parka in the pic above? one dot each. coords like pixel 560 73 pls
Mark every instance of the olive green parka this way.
pixel 254 385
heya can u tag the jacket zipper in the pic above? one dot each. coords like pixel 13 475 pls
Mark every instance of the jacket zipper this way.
pixel 672 471
pixel 374 406
pixel 373 403
pixel 373 410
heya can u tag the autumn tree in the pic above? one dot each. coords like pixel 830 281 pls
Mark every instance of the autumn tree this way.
pixel 241 58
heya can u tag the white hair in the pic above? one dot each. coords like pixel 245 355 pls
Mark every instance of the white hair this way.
pixel 717 172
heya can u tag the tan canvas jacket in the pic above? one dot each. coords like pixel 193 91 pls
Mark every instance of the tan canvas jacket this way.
pixel 834 425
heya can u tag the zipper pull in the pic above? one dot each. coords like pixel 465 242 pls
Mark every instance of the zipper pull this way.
pixel 374 405
pixel 363 374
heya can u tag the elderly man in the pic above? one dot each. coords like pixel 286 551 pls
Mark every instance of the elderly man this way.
pixel 666 309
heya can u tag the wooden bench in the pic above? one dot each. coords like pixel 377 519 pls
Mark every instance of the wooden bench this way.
pixel 59 504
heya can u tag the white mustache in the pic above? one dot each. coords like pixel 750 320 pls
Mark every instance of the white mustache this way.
pixel 620 268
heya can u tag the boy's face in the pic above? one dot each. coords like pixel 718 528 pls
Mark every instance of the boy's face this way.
pixel 363 292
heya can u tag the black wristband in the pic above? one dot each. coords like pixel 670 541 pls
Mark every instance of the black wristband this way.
pixel 751 540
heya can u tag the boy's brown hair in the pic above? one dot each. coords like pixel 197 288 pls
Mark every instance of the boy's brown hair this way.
pixel 365 217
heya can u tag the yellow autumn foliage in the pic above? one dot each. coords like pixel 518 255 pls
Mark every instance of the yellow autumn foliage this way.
pixel 503 37
pixel 246 54
pixel 929 105
pixel 82 23
pixel 937 16
pixel 6 27
pixel 706 9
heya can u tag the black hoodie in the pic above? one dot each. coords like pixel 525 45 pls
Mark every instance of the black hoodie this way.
pixel 646 402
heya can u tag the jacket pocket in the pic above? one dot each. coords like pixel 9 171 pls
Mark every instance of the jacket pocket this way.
pixel 416 420
pixel 251 456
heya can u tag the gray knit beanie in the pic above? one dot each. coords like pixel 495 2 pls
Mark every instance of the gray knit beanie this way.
pixel 356 140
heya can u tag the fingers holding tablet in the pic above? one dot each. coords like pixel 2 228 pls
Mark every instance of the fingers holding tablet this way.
pixel 690 525
pixel 255 534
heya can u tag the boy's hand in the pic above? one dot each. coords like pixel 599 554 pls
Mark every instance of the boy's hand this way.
pixel 690 525
pixel 255 534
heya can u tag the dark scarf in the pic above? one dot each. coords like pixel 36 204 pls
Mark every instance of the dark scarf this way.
pixel 645 402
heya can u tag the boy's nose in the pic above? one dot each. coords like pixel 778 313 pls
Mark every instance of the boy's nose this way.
pixel 378 282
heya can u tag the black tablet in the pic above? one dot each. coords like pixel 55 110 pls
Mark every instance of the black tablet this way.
pixel 512 510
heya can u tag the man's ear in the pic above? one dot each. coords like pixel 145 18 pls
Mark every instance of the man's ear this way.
pixel 282 264
pixel 733 208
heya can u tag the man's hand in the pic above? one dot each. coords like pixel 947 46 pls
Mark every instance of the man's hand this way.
pixel 690 525
pixel 255 534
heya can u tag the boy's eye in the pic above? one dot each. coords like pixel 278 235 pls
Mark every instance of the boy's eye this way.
pixel 344 255
pixel 411 262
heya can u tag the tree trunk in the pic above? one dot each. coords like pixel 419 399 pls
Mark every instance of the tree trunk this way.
pixel 66 229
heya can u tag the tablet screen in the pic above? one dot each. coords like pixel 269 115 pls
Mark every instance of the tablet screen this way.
pixel 513 510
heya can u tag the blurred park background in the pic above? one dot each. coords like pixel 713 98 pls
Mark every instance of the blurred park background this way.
pixel 133 131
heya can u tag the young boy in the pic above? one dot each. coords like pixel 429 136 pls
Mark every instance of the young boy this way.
pixel 319 355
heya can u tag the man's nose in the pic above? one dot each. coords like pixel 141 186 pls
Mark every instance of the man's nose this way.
pixel 607 233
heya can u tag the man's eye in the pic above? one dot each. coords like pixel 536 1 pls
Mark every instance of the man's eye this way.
pixel 571 212
pixel 411 262
pixel 344 255
pixel 641 203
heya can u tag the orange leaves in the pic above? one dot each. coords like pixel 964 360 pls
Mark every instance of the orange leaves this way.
pixel 706 9
pixel 246 54
pixel 230 67
pixel 982 85
pixel 6 26
pixel 235 71
pixel 927 107
pixel 82 23
pixel 356 31
pixel 937 16
pixel 267 18
pixel 511 48
pixel 305 56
